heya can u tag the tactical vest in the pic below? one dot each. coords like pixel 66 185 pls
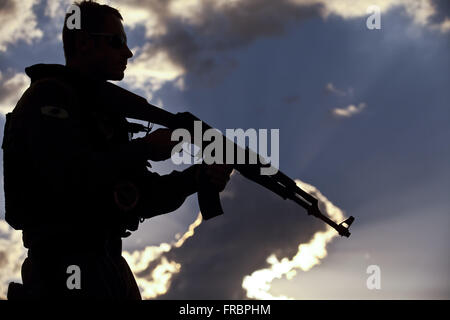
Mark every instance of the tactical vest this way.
pixel 21 209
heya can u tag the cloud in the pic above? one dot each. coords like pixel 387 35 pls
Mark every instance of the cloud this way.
pixel 12 87
pixel 12 254
pixel 192 36
pixel 330 88
pixel 440 19
pixel 195 36
pixel 19 23
pixel 257 224
pixel 57 9
pixel 151 69
pixel 136 13
pixel 192 32
pixel 152 269
pixel 426 13
pixel 349 111
pixel 258 284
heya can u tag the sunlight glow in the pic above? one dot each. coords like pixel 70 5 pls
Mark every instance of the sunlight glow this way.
pixel 258 284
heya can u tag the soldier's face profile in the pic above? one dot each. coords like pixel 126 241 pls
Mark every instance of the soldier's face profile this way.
pixel 111 51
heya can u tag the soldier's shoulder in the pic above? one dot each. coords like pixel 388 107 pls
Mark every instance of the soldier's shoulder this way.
pixel 46 91
pixel 54 87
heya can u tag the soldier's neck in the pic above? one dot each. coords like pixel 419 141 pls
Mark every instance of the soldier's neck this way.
pixel 84 70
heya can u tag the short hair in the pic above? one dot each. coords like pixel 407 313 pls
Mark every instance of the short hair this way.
pixel 92 19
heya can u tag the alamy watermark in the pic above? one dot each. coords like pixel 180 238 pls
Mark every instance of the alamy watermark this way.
pixel 374 20
pixel 74 18
pixel 216 153
pixel 74 279
pixel 374 280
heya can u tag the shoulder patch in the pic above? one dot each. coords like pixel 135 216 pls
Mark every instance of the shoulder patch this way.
pixel 55 112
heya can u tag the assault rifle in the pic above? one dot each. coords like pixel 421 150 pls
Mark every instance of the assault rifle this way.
pixel 136 107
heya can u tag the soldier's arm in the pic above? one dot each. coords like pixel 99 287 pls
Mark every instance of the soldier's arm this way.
pixel 61 156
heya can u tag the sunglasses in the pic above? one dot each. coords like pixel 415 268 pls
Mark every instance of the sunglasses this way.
pixel 116 41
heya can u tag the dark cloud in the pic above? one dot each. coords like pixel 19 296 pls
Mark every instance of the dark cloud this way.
pixel 18 22
pixel 197 47
pixel 442 11
pixel 7 7
pixel 223 250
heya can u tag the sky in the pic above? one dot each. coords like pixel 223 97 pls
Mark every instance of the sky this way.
pixel 363 117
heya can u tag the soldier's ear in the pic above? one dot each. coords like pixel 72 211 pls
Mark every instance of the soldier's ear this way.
pixel 83 42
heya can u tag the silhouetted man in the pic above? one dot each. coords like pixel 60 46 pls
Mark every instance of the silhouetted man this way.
pixel 75 183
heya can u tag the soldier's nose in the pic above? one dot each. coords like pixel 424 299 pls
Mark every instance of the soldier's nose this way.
pixel 129 54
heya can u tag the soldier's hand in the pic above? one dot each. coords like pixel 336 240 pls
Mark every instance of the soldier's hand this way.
pixel 160 144
pixel 216 175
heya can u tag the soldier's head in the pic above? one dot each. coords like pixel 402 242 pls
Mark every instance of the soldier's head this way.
pixel 98 43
